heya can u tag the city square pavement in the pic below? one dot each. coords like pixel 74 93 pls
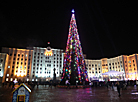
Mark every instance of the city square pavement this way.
pixel 94 94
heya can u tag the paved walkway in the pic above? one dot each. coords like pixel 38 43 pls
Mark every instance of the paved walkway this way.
pixel 99 94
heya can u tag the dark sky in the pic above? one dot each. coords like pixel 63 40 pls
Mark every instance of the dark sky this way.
pixel 107 28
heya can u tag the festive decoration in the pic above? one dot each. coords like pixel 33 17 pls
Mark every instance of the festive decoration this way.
pixel 74 68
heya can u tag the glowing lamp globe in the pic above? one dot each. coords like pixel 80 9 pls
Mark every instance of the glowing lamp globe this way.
pixel 72 11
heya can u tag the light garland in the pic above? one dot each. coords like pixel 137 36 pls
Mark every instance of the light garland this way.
pixel 74 54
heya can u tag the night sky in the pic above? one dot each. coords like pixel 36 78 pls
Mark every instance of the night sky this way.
pixel 107 28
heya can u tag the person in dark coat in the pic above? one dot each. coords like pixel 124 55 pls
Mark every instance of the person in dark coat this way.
pixel 118 88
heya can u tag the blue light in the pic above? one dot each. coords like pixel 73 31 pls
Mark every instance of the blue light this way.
pixel 72 11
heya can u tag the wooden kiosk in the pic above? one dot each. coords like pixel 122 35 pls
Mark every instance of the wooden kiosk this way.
pixel 21 94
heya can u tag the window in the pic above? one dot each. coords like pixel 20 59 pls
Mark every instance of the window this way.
pixel 48 65
pixel 1 60
pixel 8 66
pixel 7 75
pixel 12 66
pixel 18 54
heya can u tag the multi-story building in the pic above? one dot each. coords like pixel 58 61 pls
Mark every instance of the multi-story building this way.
pixel 123 63
pixel 45 61
pixel 32 64
pixel 36 63
pixel 18 65
pixel 3 63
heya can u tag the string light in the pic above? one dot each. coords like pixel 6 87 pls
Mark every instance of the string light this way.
pixel 74 47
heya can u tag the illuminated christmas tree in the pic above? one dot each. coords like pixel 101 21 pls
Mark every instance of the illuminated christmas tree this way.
pixel 74 68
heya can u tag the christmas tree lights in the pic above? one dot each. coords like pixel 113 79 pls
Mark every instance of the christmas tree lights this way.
pixel 74 68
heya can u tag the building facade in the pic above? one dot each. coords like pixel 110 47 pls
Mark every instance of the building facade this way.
pixel 44 61
pixel 126 64
pixel 32 64
pixel 3 60
pixel 37 63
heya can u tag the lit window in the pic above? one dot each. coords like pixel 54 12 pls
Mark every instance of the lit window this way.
pixel 27 79
pixel 8 66
pixel 11 79
pixel 6 79
pixel 32 79
pixel 7 75
pixel 26 55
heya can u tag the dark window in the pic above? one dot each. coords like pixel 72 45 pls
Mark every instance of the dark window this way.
pixel 12 66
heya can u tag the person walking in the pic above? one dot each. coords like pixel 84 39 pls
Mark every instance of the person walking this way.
pixel 112 86
pixel 118 88
pixel 67 83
